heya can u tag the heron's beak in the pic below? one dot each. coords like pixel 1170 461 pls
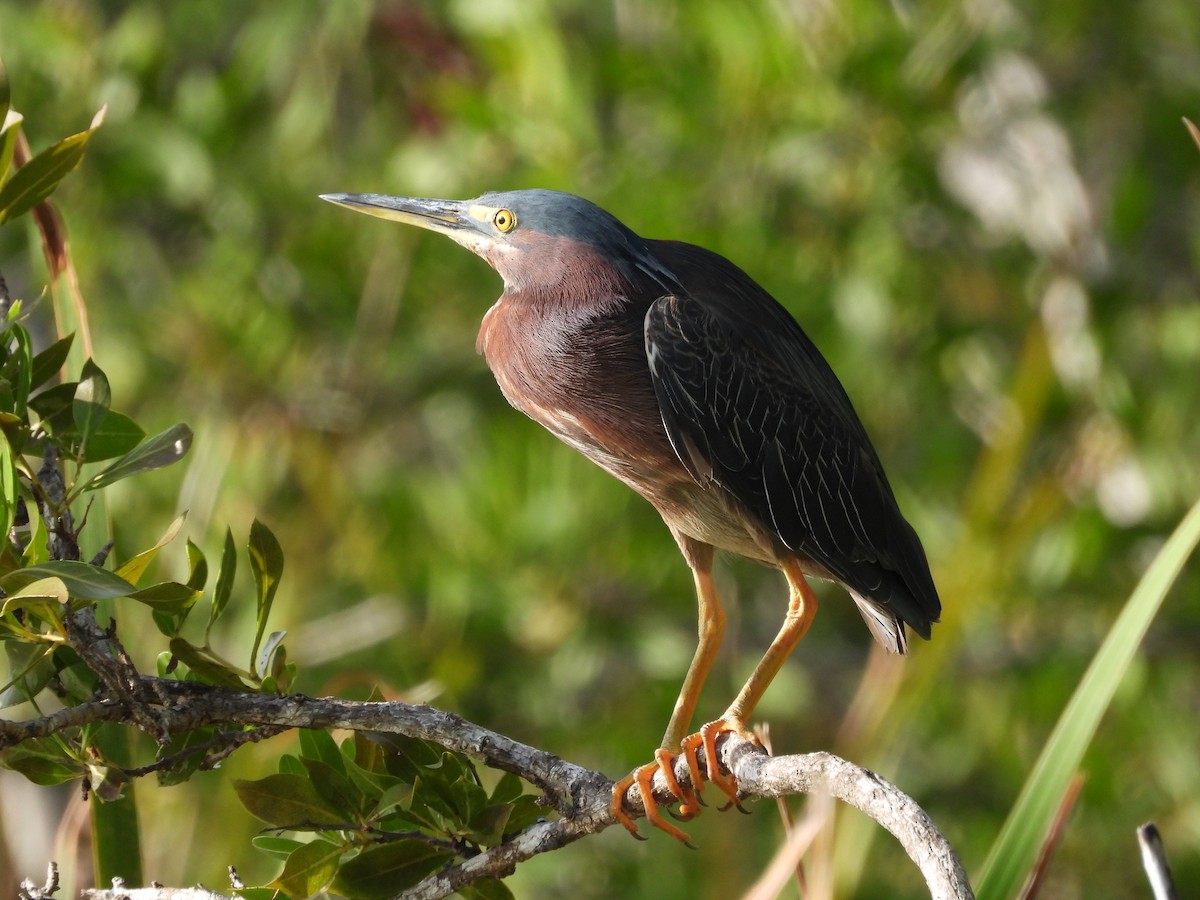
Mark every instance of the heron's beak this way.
pixel 444 216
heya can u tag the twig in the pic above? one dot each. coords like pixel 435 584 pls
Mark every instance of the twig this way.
pixel 155 892
pixel 99 649
pixel 100 710
pixel 30 891
pixel 104 655
pixel 62 540
pixel 224 744
pixel 1192 130
pixel 1154 859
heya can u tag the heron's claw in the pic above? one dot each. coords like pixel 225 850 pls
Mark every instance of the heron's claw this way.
pixel 701 744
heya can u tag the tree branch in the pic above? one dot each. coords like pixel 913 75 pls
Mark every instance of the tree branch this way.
pixel 155 892
pixel 580 795
pixel 760 775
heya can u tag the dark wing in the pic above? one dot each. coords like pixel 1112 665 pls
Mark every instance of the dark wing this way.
pixel 750 403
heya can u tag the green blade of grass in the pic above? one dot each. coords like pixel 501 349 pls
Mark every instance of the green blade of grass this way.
pixel 1016 847
pixel 116 837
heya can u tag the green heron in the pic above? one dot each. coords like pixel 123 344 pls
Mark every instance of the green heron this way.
pixel 669 367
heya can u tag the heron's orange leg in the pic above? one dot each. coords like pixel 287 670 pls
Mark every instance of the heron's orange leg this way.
pixel 711 628
pixel 802 607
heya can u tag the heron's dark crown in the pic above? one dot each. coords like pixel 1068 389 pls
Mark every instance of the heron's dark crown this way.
pixel 559 214
pixel 562 215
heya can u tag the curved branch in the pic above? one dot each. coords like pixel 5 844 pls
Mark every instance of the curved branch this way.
pixel 780 776
pixel 580 795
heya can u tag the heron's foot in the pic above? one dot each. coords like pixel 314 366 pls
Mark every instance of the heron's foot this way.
pixel 706 740
pixel 690 801
pixel 643 777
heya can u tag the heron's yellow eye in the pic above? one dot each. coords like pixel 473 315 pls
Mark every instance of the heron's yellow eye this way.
pixel 504 220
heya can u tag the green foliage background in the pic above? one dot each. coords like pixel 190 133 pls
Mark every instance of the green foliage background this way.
pixel 986 214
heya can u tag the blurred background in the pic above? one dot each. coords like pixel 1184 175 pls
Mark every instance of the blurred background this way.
pixel 985 213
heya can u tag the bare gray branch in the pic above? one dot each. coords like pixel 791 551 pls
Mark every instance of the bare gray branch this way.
pixel 581 796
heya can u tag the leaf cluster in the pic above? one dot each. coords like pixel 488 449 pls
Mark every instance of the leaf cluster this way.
pixel 382 812
pixel 23 188
pixel 61 442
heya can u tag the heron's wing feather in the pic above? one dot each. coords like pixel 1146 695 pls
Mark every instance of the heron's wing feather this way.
pixel 735 416
pixel 749 402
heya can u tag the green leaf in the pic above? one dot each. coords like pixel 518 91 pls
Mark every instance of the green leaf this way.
pixel 93 397
pixel 283 673
pixel 286 801
pixel 163 449
pixel 78 682
pixel 17 369
pixel 116 435
pixel 366 753
pixel 265 665
pixel 14 427
pixel 106 783
pixel 525 811
pixel 387 869
pixel 8 486
pixel 224 587
pixel 169 597
pixel 1015 850
pixel 407 756
pixel 43 761
pixel 486 889
pixel 266 562
pixel 439 802
pixel 309 869
pixel 183 768
pixel 53 405
pixel 50 361
pixel 316 743
pixel 37 551
pixel 364 766
pixel 31 669
pixel 507 789
pixel 134 567
pixel 45 593
pixel 451 789
pixel 334 788
pixel 5 100
pixel 37 179
pixel 10 129
pixel 396 797
pixel 205 667
pixel 487 826
pixel 168 624
pixel 83 580
pixel 279 847
pixel 197 567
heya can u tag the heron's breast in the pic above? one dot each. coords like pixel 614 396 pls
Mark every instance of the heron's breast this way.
pixel 591 388
pixel 587 382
